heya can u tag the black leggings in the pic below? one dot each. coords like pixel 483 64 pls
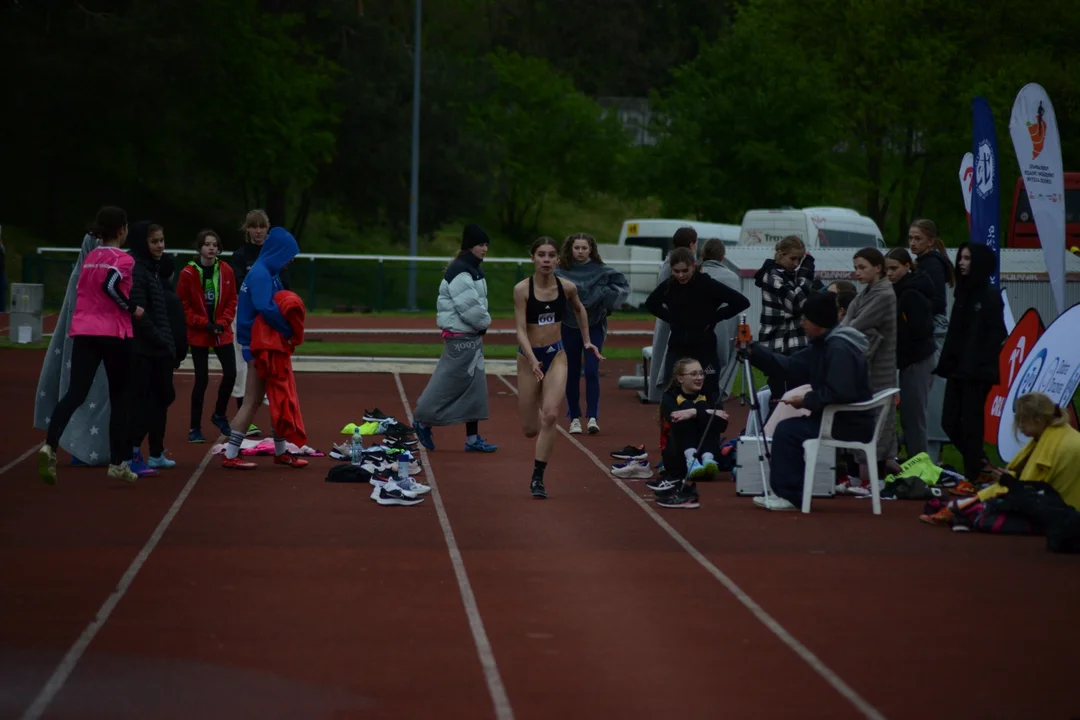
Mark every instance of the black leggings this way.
pixel 200 356
pixel 88 352
pixel 150 393
pixel 688 434
pixel 962 420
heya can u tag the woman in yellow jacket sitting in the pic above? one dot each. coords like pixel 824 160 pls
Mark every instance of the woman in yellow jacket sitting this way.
pixel 1052 457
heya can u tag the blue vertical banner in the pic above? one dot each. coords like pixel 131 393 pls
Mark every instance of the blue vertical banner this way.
pixel 986 190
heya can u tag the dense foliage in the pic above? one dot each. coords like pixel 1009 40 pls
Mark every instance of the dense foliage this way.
pixel 193 111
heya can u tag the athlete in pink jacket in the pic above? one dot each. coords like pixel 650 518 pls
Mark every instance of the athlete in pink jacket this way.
pixel 101 333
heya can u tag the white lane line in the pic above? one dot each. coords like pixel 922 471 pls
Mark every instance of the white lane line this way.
pixel 22 457
pixel 63 671
pixel 748 602
pixel 497 690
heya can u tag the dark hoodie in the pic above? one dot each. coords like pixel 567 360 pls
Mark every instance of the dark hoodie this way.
pixel 936 267
pixel 835 367
pixel 977 324
pixel 693 310
pixel 167 274
pixel 153 333
pixel 914 318
pixel 256 295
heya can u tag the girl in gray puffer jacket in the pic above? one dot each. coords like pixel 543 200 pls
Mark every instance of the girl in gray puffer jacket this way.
pixel 457 391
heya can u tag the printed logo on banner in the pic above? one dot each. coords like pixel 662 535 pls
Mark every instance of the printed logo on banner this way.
pixel 1022 339
pixel 1037 130
pixel 984 170
pixel 1052 368
pixel 1027 383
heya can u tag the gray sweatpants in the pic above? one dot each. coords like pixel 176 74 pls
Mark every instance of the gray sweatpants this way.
pixel 915 382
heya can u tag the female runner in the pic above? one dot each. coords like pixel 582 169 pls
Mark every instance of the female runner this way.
pixel 539 308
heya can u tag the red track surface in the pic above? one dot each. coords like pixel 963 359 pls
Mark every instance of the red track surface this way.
pixel 275 594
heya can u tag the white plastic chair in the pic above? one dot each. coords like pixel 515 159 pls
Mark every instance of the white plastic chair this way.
pixel 883 402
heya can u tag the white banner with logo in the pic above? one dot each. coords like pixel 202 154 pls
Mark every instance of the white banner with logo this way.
pixel 1052 367
pixel 1034 130
pixel 967 180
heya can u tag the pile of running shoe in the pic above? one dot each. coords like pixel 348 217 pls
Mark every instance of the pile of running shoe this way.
pixel 382 462
pixel 631 463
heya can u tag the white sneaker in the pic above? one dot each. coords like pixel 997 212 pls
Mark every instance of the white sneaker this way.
pixel 594 427
pixel 633 470
pixel 411 486
pixel 575 426
pixel 774 503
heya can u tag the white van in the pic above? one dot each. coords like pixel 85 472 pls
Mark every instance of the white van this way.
pixel 658 233
pixel 818 227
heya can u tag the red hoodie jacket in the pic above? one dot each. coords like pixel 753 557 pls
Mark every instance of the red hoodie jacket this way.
pixel 190 289
pixel 273 363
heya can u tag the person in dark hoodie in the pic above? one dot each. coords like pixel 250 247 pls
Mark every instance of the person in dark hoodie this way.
pixel 834 365
pixel 153 352
pixel 601 288
pixel 931 259
pixel 915 348
pixel 969 359
pixel 692 303
pixel 256 299
pixel 785 282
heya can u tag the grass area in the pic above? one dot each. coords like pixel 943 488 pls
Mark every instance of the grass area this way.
pixel 6 344
pixel 429 350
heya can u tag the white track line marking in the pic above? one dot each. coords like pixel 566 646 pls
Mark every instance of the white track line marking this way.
pixel 748 602
pixel 63 671
pixel 499 697
pixel 22 457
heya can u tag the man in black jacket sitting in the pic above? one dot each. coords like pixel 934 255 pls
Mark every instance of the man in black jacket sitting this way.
pixel 834 365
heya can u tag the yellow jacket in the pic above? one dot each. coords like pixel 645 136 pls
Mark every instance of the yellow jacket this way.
pixel 1053 459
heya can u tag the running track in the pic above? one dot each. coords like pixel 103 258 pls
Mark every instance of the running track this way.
pixel 274 594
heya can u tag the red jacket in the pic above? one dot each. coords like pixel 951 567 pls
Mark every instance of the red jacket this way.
pixel 264 337
pixel 190 289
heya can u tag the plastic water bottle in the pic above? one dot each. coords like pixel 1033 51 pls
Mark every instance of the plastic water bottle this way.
pixel 356 448
pixel 404 459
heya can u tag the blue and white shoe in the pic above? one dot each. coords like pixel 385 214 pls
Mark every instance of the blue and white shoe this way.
pixel 161 462
pixel 425 436
pixel 481 445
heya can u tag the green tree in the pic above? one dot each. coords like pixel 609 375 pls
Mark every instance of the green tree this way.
pixel 746 124
pixel 545 136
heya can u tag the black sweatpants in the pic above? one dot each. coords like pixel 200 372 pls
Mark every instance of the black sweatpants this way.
pixel 150 393
pixel 200 357
pixel 688 434
pixel 962 420
pixel 88 352
pixel 705 353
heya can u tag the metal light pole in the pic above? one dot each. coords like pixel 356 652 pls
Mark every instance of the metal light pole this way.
pixel 414 191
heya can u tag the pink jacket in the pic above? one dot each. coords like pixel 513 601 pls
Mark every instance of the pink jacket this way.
pixel 96 313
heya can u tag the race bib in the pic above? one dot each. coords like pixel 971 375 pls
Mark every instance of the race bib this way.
pixel 546 319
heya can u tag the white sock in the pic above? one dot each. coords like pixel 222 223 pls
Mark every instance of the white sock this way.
pixel 690 453
pixel 708 457
pixel 279 446
pixel 232 450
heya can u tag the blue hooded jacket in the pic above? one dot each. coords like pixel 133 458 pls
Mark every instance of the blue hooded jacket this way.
pixel 262 282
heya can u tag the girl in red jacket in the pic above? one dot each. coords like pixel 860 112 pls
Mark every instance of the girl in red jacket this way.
pixel 207 287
